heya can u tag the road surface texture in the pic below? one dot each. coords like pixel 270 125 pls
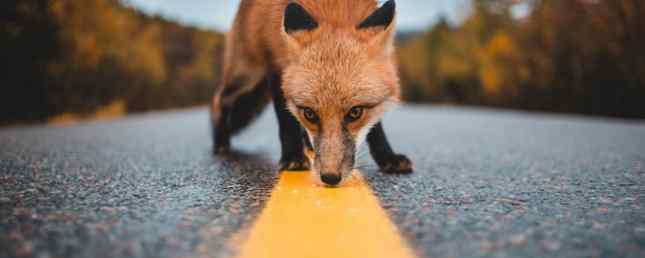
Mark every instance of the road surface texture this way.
pixel 487 184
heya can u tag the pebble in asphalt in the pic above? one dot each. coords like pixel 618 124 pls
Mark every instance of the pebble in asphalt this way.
pixel 487 184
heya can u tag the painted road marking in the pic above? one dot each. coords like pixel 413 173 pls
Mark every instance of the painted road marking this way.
pixel 307 221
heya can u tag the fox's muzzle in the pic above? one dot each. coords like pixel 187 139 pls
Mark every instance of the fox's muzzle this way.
pixel 335 151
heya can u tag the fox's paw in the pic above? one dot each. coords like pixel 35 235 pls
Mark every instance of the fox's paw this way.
pixel 396 164
pixel 294 164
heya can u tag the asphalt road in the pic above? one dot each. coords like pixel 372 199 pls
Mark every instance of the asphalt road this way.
pixel 487 184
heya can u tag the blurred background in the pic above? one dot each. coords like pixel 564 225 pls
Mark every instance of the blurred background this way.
pixel 69 60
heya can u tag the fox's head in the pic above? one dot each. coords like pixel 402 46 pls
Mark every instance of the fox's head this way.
pixel 341 76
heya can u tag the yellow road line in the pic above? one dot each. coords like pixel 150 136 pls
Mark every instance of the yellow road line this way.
pixel 307 221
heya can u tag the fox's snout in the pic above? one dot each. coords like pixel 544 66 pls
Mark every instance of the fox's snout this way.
pixel 330 178
pixel 334 155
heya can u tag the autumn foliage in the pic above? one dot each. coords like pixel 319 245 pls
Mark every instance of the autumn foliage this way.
pixel 68 56
pixel 580 56
pixel 577 56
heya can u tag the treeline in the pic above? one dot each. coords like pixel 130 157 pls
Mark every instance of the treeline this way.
pixel 579 56
pixel 68 56
pixel 576 56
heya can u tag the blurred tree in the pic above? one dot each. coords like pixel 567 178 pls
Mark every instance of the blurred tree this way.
pixel 76 56
pixel 28 42
pixel 582 56
pixel 587 57
pixel 578 56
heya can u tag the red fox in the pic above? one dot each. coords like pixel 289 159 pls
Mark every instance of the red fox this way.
pixel 329 66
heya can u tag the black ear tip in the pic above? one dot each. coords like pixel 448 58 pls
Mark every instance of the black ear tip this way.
pixel 293 8
pixel 297 18
pixel 383 16
pixel 390 4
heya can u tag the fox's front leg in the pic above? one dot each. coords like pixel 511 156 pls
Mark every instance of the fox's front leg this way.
pixel 383 154
pixel 291 132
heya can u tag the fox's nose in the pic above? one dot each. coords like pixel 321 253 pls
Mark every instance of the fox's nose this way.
pixel 330 178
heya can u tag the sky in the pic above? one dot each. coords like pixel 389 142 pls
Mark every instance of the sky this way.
pixel 219 14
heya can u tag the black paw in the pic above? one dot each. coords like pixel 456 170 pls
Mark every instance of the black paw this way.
pixel 396 164
pixel 294 164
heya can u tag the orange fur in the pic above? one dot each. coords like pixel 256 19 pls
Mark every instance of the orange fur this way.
pixel 257 41
pixel 330 69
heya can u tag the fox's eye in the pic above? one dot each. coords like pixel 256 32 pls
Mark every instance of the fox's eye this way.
pixel 310 115
pixel 354 114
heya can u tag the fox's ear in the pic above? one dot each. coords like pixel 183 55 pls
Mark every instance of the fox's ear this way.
pixel 296 18
pixel 382 17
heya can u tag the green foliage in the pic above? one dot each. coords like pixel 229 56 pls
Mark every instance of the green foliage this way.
pixel 76 56
pixel 566 56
